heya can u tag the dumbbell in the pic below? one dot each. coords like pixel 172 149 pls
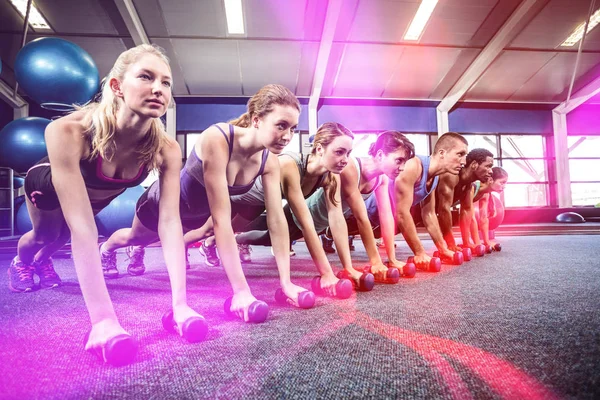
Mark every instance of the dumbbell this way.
pixel 435 265
pixel 488 249
pixel 257 312
pixel 306 299
pixel 193 330
pixel 480 250
pixel 408 271
pixel 457 259
pixel 343 289
pixel 119 350
pixel 392 275
pixel 365 283
pixel 498 247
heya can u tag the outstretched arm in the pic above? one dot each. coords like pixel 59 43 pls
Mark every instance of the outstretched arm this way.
pixel 403 196
pixel 292 190
pixel 337 224
pixel 466 215
pixel 170 230
pixel 386 221
pixel 215 156
pixel 350 192
pixel 65 144
pixel 278 227
pixel 444 196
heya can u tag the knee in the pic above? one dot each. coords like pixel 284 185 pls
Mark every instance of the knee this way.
pixel 45 238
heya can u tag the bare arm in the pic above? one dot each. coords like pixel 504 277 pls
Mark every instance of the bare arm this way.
pixel 444 196
pixel 351 193
pixel 215 157
pixel 466 215
pixel 278 227
pixel 337 224
pixel 484 219
pixel 292 190
pixel 170 230
pixel 404 193
pixel 386 219
pixel 65 144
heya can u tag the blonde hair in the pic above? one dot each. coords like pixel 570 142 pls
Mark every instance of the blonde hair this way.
pixel 263 102
pixel 101 117
pixel 324 136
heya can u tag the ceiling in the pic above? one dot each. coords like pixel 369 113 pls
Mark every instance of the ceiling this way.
pixel 365 57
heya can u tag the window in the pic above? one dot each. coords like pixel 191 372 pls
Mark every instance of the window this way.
pixel 584 168
pixel 363 141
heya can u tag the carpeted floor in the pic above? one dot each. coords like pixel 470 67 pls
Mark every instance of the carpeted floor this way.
pixel 520 324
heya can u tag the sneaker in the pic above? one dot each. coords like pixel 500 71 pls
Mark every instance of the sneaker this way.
pixel 136 260
pixel 244 250
pixel 20 276
pixel 327 244
pixel 109 263
pixel 210 254
pixel 351 243
pixel 48 276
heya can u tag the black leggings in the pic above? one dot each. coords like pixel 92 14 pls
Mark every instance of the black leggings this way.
pixel 258 231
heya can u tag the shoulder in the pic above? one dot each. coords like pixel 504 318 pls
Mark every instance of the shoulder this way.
pixel 69 130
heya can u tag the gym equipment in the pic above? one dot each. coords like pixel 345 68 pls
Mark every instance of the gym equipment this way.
pixel 56 73
pixel 194 329
pixel 343 289
pixel 570 218
pixel 120 212
pixel 22 143
pixel 118 351
pixel 435 265
pixel 365 283
pixel 306 299
pixel 257 312
pixel 392 275
pixel 457 259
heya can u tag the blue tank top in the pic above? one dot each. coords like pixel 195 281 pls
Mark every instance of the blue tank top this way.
pixel 420 191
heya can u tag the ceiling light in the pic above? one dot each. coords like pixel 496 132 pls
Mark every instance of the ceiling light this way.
pixel 578 32
pixel 420 20
pixel 35 18
pixel 235 17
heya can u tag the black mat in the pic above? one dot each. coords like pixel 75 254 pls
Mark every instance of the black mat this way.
pixel 523 323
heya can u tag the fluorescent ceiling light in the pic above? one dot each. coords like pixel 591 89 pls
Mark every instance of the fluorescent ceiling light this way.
pixel 420 20
pixel 235 17
pixel 578 32
pixel 35 18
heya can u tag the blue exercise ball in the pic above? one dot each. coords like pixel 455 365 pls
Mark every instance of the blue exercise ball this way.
pixel 53 70
pixel 570 218
pixel 18 182
pixel 22 221
pixel 120 212
pixel 22 143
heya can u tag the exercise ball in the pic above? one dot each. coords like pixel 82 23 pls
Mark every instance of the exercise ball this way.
pixel 22 143
pixel 496 220
pixel 120 212
pixel 499 217
pixel 22 220
pixel 53 70
pixel 18 182
pixel 569 218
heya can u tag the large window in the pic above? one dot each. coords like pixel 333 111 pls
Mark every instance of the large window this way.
pixel 584 168
pixel 363 141
pixel 522 156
